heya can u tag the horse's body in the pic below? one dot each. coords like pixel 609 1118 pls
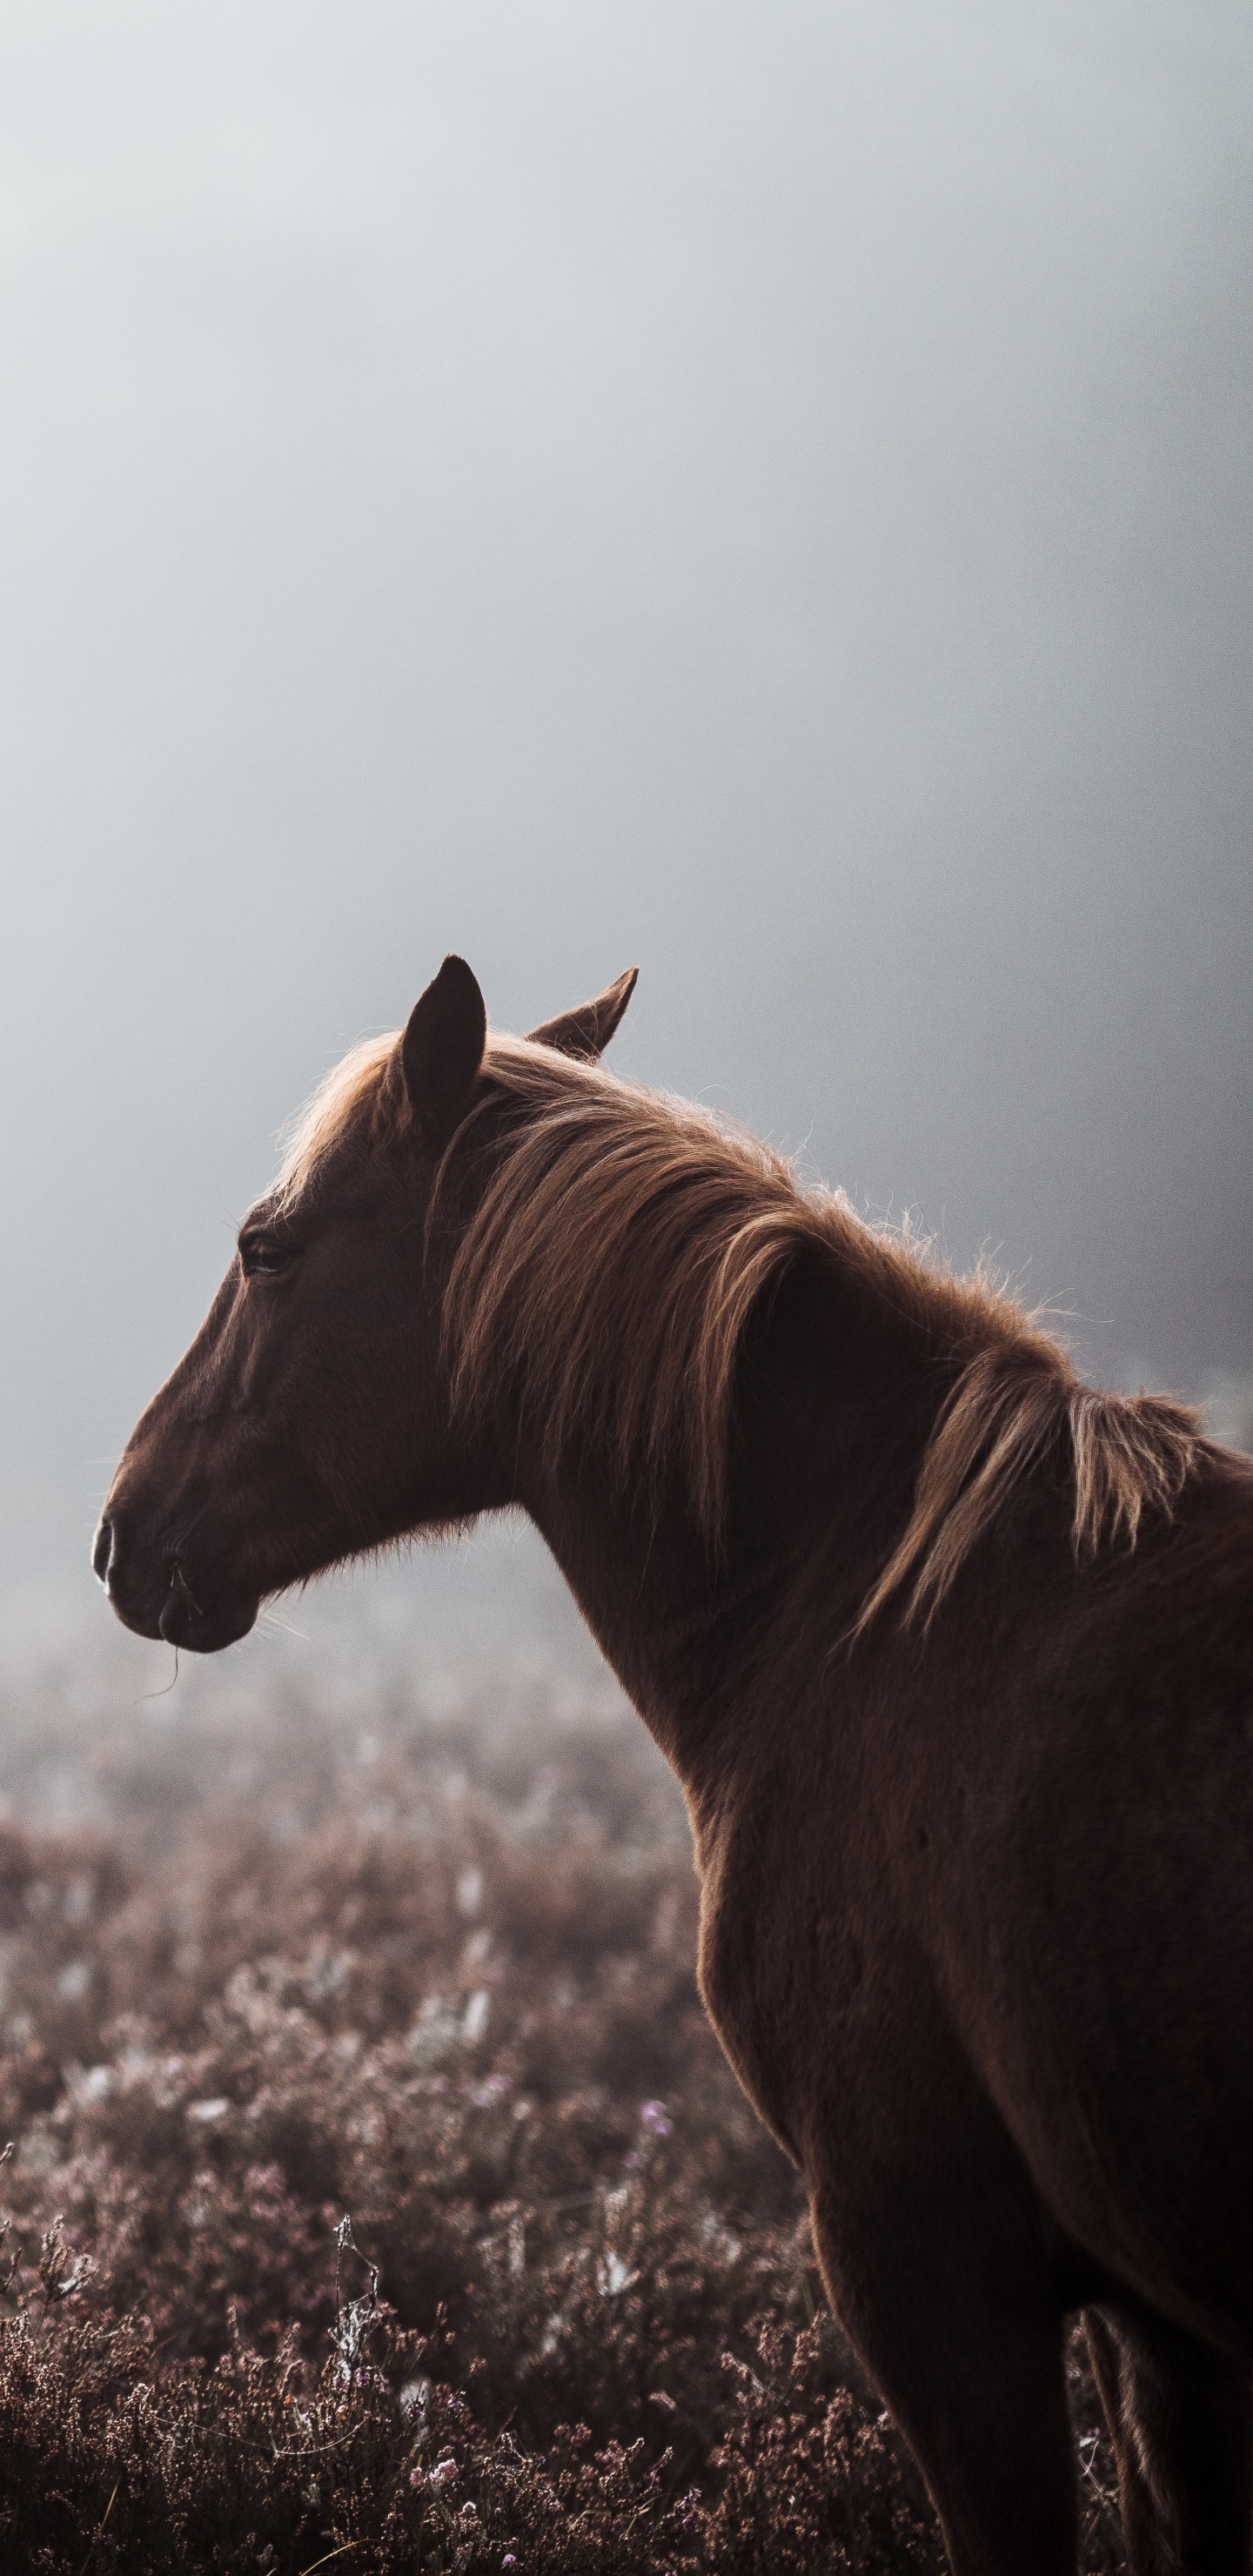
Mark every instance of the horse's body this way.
pixel 954 1660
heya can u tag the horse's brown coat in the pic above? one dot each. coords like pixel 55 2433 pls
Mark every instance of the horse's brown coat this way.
pixel 951 1653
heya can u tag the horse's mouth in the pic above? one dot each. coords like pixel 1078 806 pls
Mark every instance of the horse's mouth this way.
pixel 160 1600
pixel 204 1628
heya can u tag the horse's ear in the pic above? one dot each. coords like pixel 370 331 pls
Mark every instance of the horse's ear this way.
pixel 442 1049
pixel 588 1030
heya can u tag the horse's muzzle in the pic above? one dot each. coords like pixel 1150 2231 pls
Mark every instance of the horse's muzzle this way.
pixel 154 1596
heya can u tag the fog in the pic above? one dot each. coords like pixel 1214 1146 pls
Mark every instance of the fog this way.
pixel 759 492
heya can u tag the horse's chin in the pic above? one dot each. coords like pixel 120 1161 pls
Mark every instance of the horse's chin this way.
pixel 205 1629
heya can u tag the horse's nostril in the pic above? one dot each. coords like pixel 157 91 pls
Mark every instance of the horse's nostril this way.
pixel 102 1550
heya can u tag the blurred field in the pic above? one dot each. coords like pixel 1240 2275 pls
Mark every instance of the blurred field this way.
pixel 377 2186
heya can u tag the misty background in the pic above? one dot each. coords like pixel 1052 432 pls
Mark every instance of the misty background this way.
pixel 762 492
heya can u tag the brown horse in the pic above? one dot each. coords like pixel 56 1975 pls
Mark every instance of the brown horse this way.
pixel 952 1655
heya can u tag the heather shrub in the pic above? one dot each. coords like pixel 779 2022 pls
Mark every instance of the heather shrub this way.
pixel 377 2187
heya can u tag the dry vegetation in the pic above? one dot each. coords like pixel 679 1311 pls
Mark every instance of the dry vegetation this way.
pixel 377 2188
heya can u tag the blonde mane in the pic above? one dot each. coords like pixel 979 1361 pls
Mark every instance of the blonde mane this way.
pixel 619 1244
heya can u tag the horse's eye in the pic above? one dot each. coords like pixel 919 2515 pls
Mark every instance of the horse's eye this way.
pixel 263 1257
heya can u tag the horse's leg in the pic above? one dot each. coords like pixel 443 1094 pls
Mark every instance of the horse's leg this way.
pixel 970 2362
pixel 1179 2416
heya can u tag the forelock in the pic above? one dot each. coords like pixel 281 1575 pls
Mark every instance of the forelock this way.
pixel 346 1101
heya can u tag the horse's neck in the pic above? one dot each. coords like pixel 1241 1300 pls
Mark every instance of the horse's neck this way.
pixel 833 1412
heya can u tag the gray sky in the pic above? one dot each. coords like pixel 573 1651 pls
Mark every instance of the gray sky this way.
pixel 763 491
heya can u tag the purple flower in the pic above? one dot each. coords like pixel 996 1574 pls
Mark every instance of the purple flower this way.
pixel 444 2473
pixel 509 2560
pixel 656 2119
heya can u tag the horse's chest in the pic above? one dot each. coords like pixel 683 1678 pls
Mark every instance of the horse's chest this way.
pixel 783 1968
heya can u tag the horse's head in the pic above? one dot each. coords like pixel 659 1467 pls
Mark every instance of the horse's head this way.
pixel 312 1416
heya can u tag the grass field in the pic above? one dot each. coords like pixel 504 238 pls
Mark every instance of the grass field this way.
pixel 377 2192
